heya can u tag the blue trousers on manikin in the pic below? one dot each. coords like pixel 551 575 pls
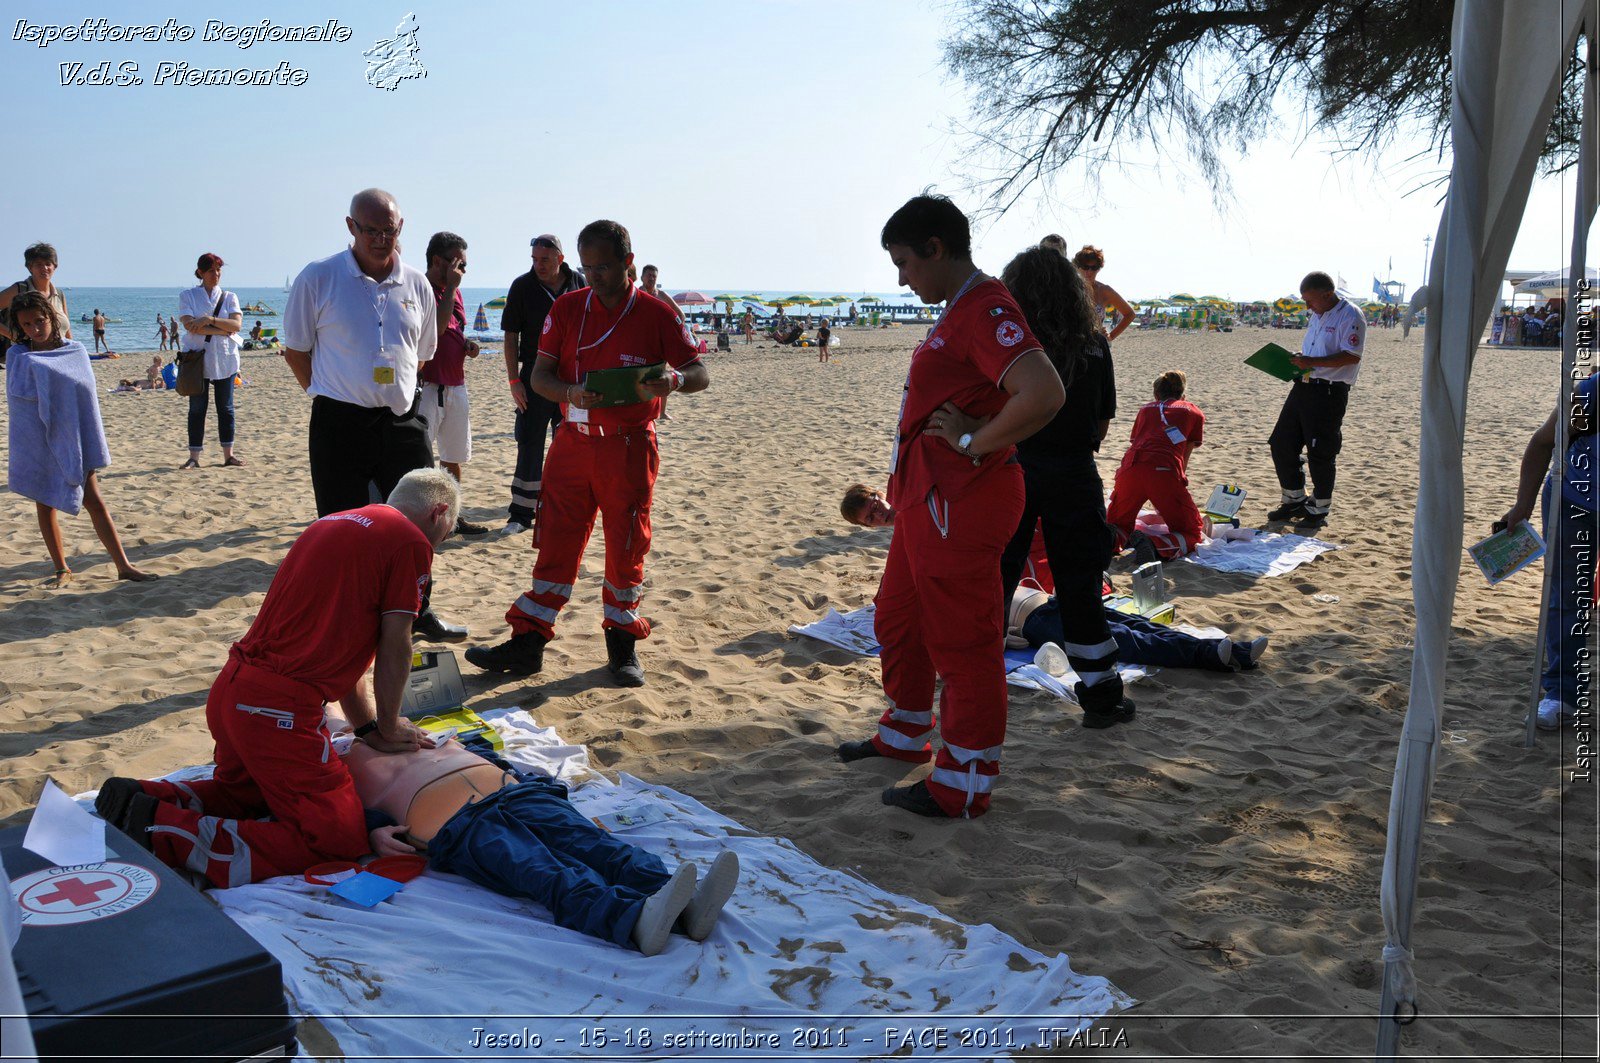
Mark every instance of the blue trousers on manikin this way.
pixel 528 841
pixel 1139 641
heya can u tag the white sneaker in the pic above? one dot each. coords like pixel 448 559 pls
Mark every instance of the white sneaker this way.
pixel 1550 714
pixel 705 906
pixel 513 527
pixel 661 910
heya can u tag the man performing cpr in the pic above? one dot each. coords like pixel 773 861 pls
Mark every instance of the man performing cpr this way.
pixel 604 457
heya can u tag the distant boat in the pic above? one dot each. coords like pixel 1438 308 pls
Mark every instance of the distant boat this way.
pixel 497 303
pixel 481 322
pixel 259 308
pixel 287 280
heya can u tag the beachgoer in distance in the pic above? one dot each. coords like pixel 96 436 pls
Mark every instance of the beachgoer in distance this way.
pixel 1312 418
pixel 824 342
pixel 747 325
pixel 41 262
pixel 939 611
pixel 161 327
pixel 1567 680
pixel 100 333
pixel 255 332
pixel 1065 495
pixel 517 834
pixel 1155 468
pixel 445 404
pixel 527 305
pixel 1090 261
pixel 649 279
pixel 604 459
pixel 342 600
pixel 57 440
pixel 211 320
pixel 360 366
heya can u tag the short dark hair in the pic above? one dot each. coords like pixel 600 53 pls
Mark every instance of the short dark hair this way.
pixel 855 500
pixel 1317 281
pixel 611 232
pixel 40 252
pixel 924 217
pixel 647 266
pixel 38 303
pixel 1171 384
pixel 442 244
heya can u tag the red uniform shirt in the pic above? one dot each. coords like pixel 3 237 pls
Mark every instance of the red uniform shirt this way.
pixel 319 624
pixel 1153 445
pixel 962 362
pixel 581 334
pixel 448 364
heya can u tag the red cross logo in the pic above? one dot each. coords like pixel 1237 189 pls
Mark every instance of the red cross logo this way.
pixel 77 892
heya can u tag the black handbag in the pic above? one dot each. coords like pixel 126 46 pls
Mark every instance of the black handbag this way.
pixel 192 364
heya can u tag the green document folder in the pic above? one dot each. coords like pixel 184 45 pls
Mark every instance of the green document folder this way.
pixel 1275 361
pixel 620 387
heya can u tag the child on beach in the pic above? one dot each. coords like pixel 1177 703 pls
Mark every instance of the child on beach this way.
pixel 1155 468
pixel 57 439
pixel 824 342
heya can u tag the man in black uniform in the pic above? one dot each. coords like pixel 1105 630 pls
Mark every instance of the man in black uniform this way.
pixel 527 305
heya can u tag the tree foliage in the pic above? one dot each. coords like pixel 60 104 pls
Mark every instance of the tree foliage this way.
pixel 1055 81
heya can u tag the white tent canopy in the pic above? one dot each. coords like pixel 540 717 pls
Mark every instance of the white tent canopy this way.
pixel 1507 60
pixel 1555 284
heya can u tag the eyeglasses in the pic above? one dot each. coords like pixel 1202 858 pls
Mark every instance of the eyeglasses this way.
pixel 545 241
pixel 375 233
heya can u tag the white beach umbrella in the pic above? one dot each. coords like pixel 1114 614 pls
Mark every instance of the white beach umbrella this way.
pixel 1506 61
pixel 1554 285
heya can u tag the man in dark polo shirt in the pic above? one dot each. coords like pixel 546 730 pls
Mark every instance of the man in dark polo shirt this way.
pixel 527 305
pixel 445 403
pixel 357 325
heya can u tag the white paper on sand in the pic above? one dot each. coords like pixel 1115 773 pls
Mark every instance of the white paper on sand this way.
pixel 1265 555
pixel 63 832
pixel 853 631
pixel 798 944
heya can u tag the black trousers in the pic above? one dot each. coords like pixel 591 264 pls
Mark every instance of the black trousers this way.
pixel 531 428
pixel 1312 418
pixel 354 447
pixel 1067 499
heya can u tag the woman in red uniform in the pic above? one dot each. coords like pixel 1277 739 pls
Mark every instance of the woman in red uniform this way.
pixel 958 497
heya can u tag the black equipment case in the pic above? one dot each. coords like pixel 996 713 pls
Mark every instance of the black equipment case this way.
pixel 126 960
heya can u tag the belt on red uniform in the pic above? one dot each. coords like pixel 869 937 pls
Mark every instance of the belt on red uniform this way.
pixel 614 430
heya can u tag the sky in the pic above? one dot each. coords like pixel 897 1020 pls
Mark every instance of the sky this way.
pixel 746 145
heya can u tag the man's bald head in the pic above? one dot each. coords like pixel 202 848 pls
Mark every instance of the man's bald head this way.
pixel 375 225
pixel 373 199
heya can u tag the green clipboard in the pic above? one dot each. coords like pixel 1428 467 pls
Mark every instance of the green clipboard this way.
pixel 620 387
pixel 1275 361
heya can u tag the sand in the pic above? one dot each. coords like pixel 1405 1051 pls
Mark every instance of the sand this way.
pixel 1218 858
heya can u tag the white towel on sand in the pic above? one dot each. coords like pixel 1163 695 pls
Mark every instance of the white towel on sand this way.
pixel 1265 555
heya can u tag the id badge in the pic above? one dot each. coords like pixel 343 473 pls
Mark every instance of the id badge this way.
pixel 383 374
pixel 1175 434
pixel 577 414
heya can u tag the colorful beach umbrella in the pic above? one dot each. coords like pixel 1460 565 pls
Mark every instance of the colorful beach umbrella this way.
pixel 1183 299
pixel 498 303
pixel 691 299
pixel 481 322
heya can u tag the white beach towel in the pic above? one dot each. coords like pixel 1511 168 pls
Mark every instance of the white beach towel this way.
pixel 803 953
pixel 1265 555
pixel 853 631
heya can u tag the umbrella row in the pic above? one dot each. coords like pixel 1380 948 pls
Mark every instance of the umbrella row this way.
pixel 700 299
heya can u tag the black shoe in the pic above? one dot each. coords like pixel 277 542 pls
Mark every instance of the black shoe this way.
pixel 430 628
pixel 1121 712
pixel 466 527
pixel 1144 549
pixel 111 803
pixel 520 655
pixel 914 798
pixel 1289 510
pixel 1313 522
pixel 140 817
pixel 853 751
pixel 624 662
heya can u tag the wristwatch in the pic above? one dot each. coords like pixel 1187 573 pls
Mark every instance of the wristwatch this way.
pixel 963 444
pixel 365 729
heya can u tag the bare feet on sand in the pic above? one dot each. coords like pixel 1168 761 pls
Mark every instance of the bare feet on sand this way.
pixel 134 575
pixel 62 578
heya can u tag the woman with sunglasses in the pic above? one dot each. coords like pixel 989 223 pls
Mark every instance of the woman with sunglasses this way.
pixel 1090 261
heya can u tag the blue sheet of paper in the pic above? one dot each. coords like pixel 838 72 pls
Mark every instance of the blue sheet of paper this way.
pixel 366 889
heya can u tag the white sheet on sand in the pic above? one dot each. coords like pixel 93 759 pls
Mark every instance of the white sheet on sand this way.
pixel 853 631
pixel 801 951
pixel 1265 555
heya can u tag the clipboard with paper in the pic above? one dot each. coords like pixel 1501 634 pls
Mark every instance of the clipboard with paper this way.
pixel 1275 361
pixel 620 387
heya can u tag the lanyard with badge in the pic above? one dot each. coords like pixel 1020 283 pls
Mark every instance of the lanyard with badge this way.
pixel 577 414
pixel 1174 433
pixel 905 394
pixel 383 372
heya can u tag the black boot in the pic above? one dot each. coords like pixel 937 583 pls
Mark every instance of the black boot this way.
pixel 520 655
pixel 1103 704
pixel 429 628
pixel 625 668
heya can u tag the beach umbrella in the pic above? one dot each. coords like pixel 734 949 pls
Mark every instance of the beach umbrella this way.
pixel 725 297
pixel 481 322
pixel 1553 285
pixel 497 303
pixel 1288 305
pixel 691 299
pixel 1183 299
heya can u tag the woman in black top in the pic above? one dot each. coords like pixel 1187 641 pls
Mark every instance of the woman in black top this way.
pixel 1064 492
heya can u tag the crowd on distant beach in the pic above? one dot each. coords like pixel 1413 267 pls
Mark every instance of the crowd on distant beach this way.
pixel 993 482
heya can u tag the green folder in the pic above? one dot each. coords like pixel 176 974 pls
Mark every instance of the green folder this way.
pixel 1275 361
pixel 620 387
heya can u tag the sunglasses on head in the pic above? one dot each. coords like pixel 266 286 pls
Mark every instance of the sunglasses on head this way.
pixel 545 241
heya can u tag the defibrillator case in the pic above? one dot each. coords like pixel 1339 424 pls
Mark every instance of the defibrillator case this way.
pixel 126 960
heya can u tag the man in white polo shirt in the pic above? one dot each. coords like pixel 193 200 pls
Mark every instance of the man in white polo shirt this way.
pixel 356 327
pixel 1312 418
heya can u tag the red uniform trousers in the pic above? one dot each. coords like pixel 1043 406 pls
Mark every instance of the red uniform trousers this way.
pixel 1163 488
pixel 273 759
pixel 614 475
pixel 939 614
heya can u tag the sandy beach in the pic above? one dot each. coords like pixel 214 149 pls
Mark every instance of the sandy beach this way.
pixel 1218 858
